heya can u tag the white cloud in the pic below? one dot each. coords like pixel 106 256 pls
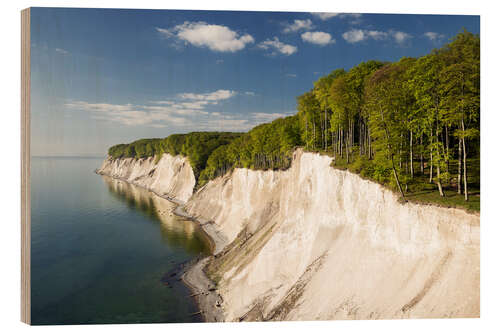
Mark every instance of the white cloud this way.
pixel 217 38
pixel 354 35
pixel 215 96
pixel 327 16
pixel 318 38
pixel 182 111
pixel 61 51
pixel 126 114
pixel 250 93
pixel 433 36
pixel 298 25
pixel 100 107
pixel 400 36
pixel 219 61
pixel 274 45
pixel 357 35
pixel 377 35
pixel 291 75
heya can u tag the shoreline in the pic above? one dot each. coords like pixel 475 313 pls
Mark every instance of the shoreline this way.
pixel 205 292
pixel 193 276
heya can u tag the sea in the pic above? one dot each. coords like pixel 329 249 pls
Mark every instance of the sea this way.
pixel 103 251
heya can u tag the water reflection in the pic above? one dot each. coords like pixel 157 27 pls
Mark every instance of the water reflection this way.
pixel 175 231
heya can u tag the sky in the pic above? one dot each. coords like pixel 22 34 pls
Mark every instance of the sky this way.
pixel 100 77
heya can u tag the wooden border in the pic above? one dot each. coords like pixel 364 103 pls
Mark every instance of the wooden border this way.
pixel 25 168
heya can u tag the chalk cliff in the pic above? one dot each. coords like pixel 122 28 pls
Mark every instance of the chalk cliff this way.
pixel 316 243
pixel 171 176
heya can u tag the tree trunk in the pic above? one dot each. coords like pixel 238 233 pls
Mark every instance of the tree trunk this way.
pixel 389 148
pixel 466 191
pixel 341 135
pixel 360 137
pixel 326 133
pixel 352 135
pixel 411 154
pixel 351 123
pixel 333 141
pixel 431 161
pixel 406 168
pixel 464 151
pixel 440 186
pixel 438 165
pixel 401 151
pixel 347 148
pixel 369 139
pixel 307 143
pixel 459 178
pixel 422 154
pixel 397 178
pixel 447 150
pixel 322 124
pixel 349 132
pixel 334 148
pixel 314 135
pixel 351 141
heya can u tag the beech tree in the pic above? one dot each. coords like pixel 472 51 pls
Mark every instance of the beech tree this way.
pixel 341 117
pixel 461 90
pixel 384 103
pixel 308 107
pixel 426 86
pixel 356 78
pixel 322 93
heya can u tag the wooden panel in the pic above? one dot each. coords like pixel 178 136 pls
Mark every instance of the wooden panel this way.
pixel 25 168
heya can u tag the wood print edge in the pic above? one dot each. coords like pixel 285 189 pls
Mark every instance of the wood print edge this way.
pixel 25 168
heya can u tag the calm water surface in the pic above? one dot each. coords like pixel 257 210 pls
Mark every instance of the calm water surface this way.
pixel 100 248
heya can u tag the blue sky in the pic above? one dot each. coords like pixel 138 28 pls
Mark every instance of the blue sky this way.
pixel 102 77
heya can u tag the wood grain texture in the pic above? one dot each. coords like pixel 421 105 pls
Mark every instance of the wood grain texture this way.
pixel 25 168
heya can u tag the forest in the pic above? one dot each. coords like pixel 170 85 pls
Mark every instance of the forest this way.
pixel 411 125
pixel 197 146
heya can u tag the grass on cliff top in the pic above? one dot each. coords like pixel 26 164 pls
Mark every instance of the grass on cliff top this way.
pixel 419 189
pixel 451 198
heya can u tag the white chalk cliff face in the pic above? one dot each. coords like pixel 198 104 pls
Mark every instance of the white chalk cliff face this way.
pixel 320 243
pixel 172 176
pixel 316 243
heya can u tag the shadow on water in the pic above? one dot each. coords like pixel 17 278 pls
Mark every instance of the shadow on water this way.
pixel 175 231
